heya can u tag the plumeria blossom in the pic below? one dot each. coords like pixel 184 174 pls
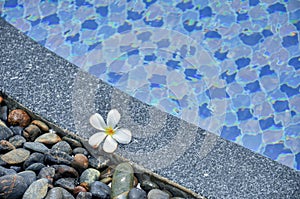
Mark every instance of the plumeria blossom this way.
pixel 108 131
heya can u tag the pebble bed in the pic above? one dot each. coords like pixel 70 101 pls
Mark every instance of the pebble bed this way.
pixel 38 162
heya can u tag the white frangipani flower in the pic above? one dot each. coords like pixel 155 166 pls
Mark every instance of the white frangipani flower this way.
pixel 109 131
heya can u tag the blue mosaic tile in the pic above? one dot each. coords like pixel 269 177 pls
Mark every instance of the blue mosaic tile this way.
pixel 234 65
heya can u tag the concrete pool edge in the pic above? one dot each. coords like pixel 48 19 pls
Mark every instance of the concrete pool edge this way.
pixel 25 64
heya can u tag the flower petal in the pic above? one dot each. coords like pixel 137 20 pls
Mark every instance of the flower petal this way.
pixel 110 145
pixel 96 139
pixel 97 121
pixel 113 118
pixel 123 136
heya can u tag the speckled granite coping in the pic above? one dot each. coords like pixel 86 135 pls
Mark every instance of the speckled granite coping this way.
pixel 198 160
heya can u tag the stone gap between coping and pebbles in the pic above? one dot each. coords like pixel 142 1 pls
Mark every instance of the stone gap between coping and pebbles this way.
pixel 37 162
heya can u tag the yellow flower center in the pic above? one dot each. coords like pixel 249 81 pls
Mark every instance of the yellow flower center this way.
pixel 109 131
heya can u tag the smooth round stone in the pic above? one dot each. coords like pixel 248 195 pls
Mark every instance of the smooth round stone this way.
pixel 4 171
pixel 3 113
pixel 31 132
pixel 122 179
pixel 6 146
pixel 5 132
pixel 17 140
pixel 136 193
pixel 17 130
pixel 88 177
pixel 78 189
pixel 41 125
pixel 64 171
pixel 81 150
pixel 48 138
pixel 47 173
pixel 80 162
pixel 37 190
pixel 157 194
pixel 12 186
pixel 62 146
pixel 84 195
pixel 58 157
pixel 66 183
pixel 58 193
pixel 73 142
pixel 36 146
pixel 99 163
pixel 29 177
pixel 148 185
pixel 16 168
pixel 36 167
pixel 18 117
pixel 16 156
pixel 100 190
pixel 34 158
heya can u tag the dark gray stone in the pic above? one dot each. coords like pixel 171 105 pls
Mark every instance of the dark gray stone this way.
pixel 84 195
pixel 31 132
pixel 17 130
pixel 29 177
pixel 81 150
pixel 88 177
pixel 36 167
pixel 64 171
pixel 62 146
pixel 3 113
pixel 16 168
pixel 58 157
pixel 34 158
pixel 136 193
pixel 4 171
pixel 73 142
pixel 5 132
pixel 66 183
pixel 17 140
pixel 58 193
pixel 12 186
pixel 100 190
pixel 47 173
pixel 99 162
pixel 147 185
pixel 36 146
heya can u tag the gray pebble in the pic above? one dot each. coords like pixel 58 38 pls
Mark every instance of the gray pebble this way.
pixel 62 146
pixel 29 177
pixel 17 140
pixel 37 190
pixel 36 146
pixel 136 193
pixel 157 194
pixel 12 186
pixel 34 158
pixel 100 190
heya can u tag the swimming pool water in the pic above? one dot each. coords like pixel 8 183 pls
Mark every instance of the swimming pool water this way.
pixel 230 67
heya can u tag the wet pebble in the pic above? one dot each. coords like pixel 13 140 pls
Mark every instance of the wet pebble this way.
pixel 122 179
pixel 58 157
pixel 36 167
pixel 81 150
pixel 34 158
pixel 17 140
pixel 16 156
pixel 147 185
pixel 62 146
pixel 66 183
pixel 12 186
pixel 18 117
pixel 29 177
pixel 5 132
pixel 37 190
pixel 36 146
pixel 64 171
pixel 157 194
pixel 3 113
pixel 73 142
pixel 80 162
pixel 88 177
pixel 100 190
pixel 48 138
pixel 136 193
pixel 6 146
pixel 99 163
pixel 31 132
pixel 84 195
pixel 4 171
pixel 41 125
